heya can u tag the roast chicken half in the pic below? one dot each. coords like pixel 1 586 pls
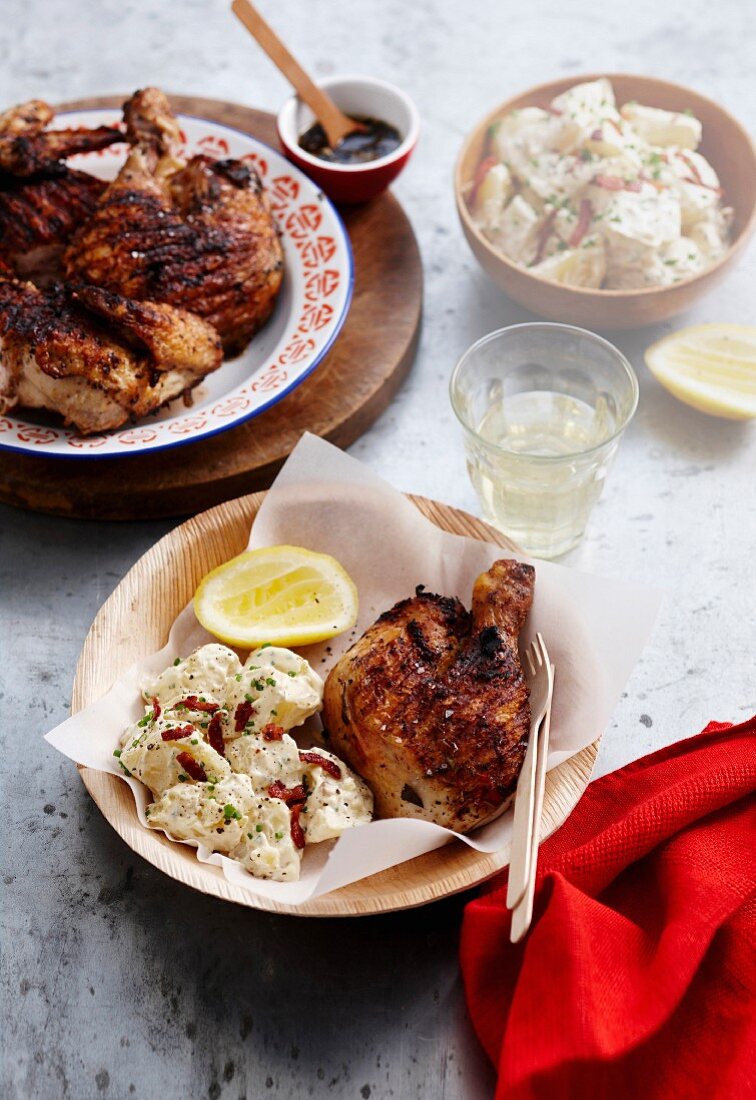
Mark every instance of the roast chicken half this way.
pixel 431 706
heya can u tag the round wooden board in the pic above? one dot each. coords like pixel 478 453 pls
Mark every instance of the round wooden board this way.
pixel 339 400
pixel 160 584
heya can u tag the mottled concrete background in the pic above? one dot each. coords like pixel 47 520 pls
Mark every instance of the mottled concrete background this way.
pixel 117 982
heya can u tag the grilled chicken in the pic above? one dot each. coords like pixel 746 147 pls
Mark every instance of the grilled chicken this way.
pixel 42 201
pixel 27 149
pixel 94 357
pixel 431 707
pixel 197 235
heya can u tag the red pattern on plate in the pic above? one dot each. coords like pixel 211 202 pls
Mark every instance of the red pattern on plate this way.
pixel 295 351
pixel 38 436
pixel 231 406
pixel 87 442
pixel 315 317
pixel 321 284
pixel 270 381
pixel 282 190
pixel 137 435
pixel 212 146
pixel 187 425
pixel 303 221
pixel 318 251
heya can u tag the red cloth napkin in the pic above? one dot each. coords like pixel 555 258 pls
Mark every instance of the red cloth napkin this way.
pixel 638 976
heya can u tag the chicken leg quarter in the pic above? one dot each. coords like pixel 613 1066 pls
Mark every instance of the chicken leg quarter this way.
pixel 431 706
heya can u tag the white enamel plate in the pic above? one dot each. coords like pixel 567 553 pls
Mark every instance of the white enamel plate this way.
pixel 310 310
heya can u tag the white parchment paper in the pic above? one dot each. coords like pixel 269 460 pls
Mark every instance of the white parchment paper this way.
pixel 594 629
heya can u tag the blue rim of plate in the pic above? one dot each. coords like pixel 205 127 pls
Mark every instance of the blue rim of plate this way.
pixel 274 400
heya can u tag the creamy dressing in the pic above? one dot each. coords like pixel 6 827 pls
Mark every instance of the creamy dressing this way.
pixel 587 194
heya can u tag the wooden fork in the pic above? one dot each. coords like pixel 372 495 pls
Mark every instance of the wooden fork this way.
pixel 530 788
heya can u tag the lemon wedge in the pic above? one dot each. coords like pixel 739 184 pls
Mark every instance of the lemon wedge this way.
pixel 284 595
pixel 711 367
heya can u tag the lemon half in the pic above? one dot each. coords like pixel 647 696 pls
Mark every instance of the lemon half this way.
pixel 711 367
pixel 284 595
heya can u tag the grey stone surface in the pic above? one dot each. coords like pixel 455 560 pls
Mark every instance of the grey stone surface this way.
pixel 117 981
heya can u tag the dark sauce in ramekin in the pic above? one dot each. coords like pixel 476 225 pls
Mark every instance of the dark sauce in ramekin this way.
pixel 378 140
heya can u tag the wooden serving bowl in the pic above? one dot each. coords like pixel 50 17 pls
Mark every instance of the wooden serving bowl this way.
pixel 725 144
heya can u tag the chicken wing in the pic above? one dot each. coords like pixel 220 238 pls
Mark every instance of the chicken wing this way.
pixel 431 706
pixel 197 235
pixel 26 148
pixel 95 358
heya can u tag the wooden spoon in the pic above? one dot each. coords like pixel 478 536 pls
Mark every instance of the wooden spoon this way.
pixel 335 123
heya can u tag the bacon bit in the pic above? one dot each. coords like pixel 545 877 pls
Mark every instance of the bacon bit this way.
pixel 177 733
pixel 693 169
pixel 156 708
pixel 597 135
pixel 583 222
pixel 481 172
pixel 697 179
pixel 297 835
pixel 706 186
pixel 544 235
pixel 215 734
pixel 328 766
pixel 287 794
pixel 191 766
pixel 242 715
pixel 609 183
pixel 272 732
pixel 616 183
pixel 193 702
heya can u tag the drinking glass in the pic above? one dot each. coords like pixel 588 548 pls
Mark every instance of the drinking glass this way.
pixel 543 407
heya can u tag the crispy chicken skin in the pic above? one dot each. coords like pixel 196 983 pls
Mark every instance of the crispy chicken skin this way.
pixel 97 359
pixel 197 235
pixel 431 706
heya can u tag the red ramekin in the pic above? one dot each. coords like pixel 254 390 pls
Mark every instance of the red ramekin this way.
pixel 355 95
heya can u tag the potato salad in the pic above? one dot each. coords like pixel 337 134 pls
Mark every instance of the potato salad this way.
pixel 590 194
pixel 214 749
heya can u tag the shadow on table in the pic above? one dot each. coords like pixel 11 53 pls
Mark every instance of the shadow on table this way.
pixel 362 1007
